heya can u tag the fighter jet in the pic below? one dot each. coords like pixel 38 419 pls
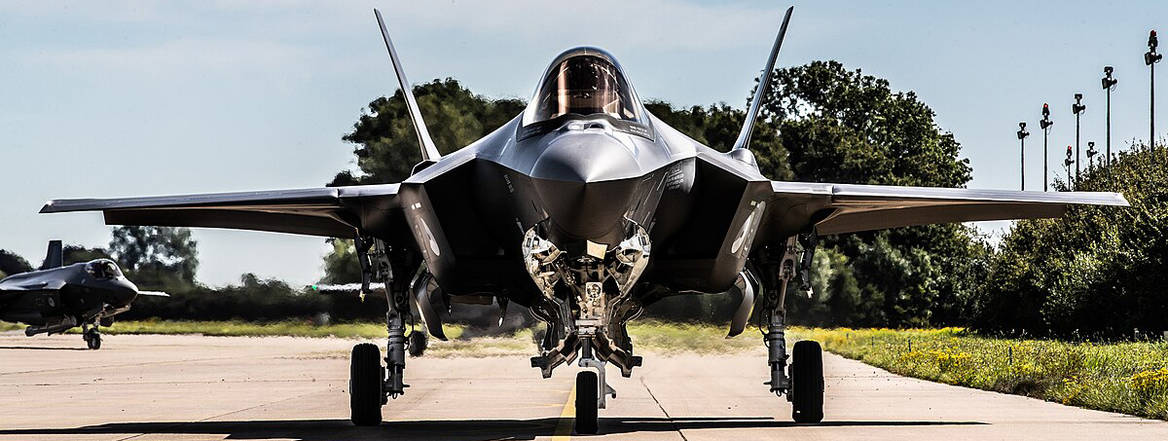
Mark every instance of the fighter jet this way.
pixel 57 298
pixel 585 208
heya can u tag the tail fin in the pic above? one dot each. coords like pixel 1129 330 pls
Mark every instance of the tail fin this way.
pixel 55 257
pixel 764 83
pixel 429 151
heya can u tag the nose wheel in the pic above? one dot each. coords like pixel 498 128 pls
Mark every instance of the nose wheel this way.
pixel 587 402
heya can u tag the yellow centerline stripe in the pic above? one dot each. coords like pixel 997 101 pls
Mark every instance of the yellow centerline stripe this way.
pixel 564 428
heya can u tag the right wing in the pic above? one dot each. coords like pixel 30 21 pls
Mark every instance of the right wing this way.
pixel 849 208
pixel 328 211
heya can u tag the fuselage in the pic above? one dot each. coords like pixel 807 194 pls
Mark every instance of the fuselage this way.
pixel 79 291
pixel 584 180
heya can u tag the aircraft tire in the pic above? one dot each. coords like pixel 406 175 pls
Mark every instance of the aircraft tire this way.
pixel 587 388
pixel 93 340
pixel 807 382
pixel 418 342
pixel 365 383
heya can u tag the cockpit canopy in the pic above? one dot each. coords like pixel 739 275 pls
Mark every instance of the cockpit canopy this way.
pixel 103 269
pixel 583 81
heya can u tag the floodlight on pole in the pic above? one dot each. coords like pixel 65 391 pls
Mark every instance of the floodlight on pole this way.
pixel 1022 134
pixel 1150 59
pixel 1109 83
pixel 1091 152
pixel 1077 108
pixel 1067 162
pixel 1045 124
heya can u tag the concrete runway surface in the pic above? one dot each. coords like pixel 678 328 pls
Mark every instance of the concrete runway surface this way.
pixel 211 388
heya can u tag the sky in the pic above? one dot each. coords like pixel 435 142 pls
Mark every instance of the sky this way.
pixel 131 98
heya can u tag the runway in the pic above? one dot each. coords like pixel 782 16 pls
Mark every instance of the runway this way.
pixel 212 388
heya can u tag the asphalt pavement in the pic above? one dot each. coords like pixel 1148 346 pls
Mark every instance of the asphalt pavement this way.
pixel 212 388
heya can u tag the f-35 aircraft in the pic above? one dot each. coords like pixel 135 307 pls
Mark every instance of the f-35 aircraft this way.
pixel 585 209
pixel 57 298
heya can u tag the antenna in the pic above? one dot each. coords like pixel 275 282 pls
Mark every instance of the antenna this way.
pixel 429 151
pixel 764 83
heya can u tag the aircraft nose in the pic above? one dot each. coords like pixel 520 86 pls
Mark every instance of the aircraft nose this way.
pixel 586 182
pixel 589 156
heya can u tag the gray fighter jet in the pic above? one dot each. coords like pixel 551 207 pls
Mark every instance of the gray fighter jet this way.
pixel 584 209
pixel 57 298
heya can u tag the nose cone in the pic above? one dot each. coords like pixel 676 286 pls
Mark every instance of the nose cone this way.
pixel 586 182
pixel 127 291
pixel 588 156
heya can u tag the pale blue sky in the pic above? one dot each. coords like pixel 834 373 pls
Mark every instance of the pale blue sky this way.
pixel 126 98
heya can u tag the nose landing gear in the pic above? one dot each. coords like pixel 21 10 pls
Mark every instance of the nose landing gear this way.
pixel 91 335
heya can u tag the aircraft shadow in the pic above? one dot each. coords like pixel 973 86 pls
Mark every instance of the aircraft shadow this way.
pixel 449 430
pixel 46 348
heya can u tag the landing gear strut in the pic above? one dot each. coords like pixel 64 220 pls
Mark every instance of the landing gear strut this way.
pixel 591 389
pixel 370 384
pixel 803 382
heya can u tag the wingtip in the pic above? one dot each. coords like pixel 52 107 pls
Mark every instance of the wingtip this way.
pixel 47 208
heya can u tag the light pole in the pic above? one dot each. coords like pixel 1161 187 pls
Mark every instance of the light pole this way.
pixel 1077 108
pixel 1070 160
pixel 1091 152
pixel 1045 124
pixel 1151 58
pixel 1108 84
pixel 1022 134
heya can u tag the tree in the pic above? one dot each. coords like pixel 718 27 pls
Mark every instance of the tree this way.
pixel 387 147
pixel 156 257
pixel 340 265
pixel 12 263
pixel 77 253
pixel 822 123
pixel 1095 272
pixel 842 126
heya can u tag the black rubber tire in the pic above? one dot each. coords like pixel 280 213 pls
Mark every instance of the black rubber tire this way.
pixel 93 340
pixel 365 382
pixel 807 382
pixel 418 342
pixel 587 388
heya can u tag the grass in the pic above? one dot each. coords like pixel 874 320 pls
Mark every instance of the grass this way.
pixel 1128 377
pixel 655 336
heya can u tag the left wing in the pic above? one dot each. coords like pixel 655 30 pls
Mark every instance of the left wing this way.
pixel 849 208
pixel 328 211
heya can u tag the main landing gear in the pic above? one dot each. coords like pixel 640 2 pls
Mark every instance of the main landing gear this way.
pixel 91 335
pixel 802 381
pixel 370 384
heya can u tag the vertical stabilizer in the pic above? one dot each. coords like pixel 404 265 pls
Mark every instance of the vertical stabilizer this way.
pixel 55 257
pixel 429 151
pixel 764 83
